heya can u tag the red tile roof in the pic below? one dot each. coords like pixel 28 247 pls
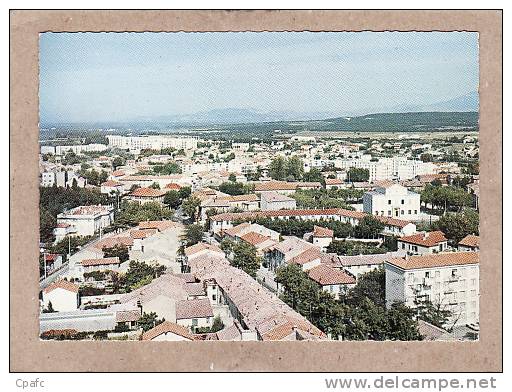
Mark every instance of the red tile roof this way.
pixel 147 192
pixel 283 185
pixel 306 256
pixel 333 181
pixel 111 183
pixel 470 240
pixel 143 233
pixel 435 260
pixel 325 275
pixel 201 246
pixel 159 225
pixel 193 308
pixel 118 173
pixel 104 261
pixel 110 242
pixel 323 232
pixel 123 316
pixel 427 240
pixel 254 238
pixel 62 284
pixel 173 186
pixel 167 327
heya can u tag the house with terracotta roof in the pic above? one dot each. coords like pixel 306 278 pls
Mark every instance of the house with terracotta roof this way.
pixel 276 201
pixel 168 331
pixel 99 264
pixel 423 243
pixel 470 243
pixel 322 236
pixel 335 183
pixel 194 313
pixel 63 296
pixel 146 195
pixel 356 265
pixel 334 281
pixel 295 251
pixel 202 249
pixel 246 227
pixel 450 280
pixel 112 187
pixel 87 220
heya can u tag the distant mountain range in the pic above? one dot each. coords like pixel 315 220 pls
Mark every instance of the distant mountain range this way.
pixel 230 116
pixel 464 103
pixel 236 116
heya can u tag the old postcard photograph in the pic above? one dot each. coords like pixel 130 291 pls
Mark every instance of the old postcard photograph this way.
pixel 259 186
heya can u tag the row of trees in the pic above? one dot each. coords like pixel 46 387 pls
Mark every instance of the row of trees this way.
pixel 445 197
pixel 368 227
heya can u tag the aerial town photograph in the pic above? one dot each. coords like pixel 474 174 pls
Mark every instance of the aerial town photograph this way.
pixel 259 186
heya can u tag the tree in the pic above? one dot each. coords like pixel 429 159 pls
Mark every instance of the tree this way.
pixel 435 314
pixel 193 234
pixel 368 227
pixel 232 177
pixel 245 258
pixel 140 274
pixel 232 188
pixel 314 175
pixel 47 222
pixel 118 161
pixel 217 324
pixel 172 199
pixel 120 251
pixel 295 168
pixel 356 174
pixel 149 320
pixel 167 169
pixel 190 206
pixel 277 169
pixel 402 324
pixel 185 192
pixel 155 185
pixel 371 285
pixel 456 226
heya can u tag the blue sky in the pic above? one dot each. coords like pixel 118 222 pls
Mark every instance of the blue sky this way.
pixel 120 76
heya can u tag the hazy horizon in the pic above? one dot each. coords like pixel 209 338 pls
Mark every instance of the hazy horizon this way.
pixel 120 77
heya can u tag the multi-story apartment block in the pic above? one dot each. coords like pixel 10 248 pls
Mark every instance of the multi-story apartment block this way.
pixel 87 220
pixel 156 142
pixel 392 201
pixel 446 279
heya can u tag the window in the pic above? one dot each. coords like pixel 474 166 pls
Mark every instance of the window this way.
pixel 427 274
pixel 409 212
pixel 382 213
pixel 402 212
pixel 411 277
pixel 473 293
pixel 415 212
pixel 214 297
pixel 403 202
pixel 473 282
pixel 403 245
pixel 389 212
pixel 438 274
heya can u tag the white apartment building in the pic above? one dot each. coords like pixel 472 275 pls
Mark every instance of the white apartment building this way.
pixel 423 243
pixel 154 142
pixel 79 149
pixel 398 167
pixel 87 220
pixel 51 178
pixel 393 201
pixel 449 279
